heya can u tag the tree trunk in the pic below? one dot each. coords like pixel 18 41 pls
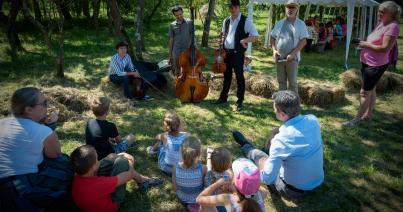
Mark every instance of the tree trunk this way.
pixel 139 30
pixel 60 59
pixel 118 25
pixel 3 18
pixel 38 24
pixel 65 10
pixel 95 6
pixel 206 31
pixel 149 18
pixel 37 10
pixel 12 34
pixel 86 9
pixel 273 20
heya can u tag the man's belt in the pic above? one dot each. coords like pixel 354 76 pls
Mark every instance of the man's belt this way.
pixel 231 51
pixel 292 188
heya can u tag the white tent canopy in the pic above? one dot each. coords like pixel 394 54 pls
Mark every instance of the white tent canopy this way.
pixel 350 4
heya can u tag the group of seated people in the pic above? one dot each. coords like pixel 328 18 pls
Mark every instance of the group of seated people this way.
pixel 323 36
pixel 291 163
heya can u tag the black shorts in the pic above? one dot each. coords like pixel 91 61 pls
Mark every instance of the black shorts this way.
pixel 371 75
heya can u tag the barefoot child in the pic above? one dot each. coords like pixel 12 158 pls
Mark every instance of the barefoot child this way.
pixel 102 134
pixel 168 143
pixel 187 176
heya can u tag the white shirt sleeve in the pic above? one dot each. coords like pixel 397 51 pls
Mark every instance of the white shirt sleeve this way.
pixel 250 28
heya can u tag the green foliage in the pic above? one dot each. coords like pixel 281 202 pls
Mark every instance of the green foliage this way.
pixel 363 165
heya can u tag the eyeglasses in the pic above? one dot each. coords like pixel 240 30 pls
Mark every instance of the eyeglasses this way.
pixel 44 103
pixel 291 7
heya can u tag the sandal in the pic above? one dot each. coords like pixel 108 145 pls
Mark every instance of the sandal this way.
pixel 351 123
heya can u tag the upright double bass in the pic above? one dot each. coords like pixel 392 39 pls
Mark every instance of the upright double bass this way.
pixel 191 85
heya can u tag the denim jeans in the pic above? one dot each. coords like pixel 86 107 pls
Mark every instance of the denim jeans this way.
pixel 125 80
pixel 279 185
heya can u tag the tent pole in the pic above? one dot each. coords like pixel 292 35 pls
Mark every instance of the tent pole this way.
pixel 250 15
pixel 350 17
pixel 308 7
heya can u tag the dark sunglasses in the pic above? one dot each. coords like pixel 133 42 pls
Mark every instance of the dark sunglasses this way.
pixel 44 103
pixel 291 7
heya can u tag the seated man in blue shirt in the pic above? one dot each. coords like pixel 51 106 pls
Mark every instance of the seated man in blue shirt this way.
pixel 294 166
pixel 122 71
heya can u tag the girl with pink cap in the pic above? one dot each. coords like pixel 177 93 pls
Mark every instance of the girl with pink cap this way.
pixel 245 194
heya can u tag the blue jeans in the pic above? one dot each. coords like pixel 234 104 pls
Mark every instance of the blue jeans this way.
pixel 125 80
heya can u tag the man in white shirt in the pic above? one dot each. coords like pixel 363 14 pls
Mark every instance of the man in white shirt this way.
pixel 288 37
pixel 238 31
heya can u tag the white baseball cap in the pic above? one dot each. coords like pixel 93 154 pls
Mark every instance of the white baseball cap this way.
pixel 289 2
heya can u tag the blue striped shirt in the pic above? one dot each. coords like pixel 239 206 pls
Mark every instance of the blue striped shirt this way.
pixel 120 66
pixel 189 182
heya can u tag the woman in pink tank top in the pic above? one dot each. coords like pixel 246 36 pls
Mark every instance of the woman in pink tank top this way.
pixel 375 58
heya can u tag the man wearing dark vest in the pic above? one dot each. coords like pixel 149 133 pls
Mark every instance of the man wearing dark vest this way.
pixel 238 31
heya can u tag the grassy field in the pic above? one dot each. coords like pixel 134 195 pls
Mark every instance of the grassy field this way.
pixel 363 165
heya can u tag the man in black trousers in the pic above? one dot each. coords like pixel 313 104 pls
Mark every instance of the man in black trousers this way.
pixel 238 30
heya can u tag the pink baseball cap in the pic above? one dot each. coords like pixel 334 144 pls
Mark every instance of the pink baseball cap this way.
pixel 246 176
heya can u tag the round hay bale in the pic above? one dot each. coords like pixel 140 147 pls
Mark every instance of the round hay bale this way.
pixel 395 81
pixel 217 83
pixel 314 93
pixel 5 99
pixel 303 90
pixel 351 78
pixel 262 86
pixel 338 94
pixel 383 83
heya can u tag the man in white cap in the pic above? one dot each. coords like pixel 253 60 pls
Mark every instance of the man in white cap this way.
pixel 287 39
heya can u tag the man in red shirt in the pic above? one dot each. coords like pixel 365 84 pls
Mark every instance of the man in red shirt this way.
pixel 101 185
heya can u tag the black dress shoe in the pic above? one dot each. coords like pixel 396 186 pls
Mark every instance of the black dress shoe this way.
pixel 239 138
pixel 239 106
pixel 220 101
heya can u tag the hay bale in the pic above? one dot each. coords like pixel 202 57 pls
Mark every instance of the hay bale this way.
pixel 70 103
pixel 338 94
pixel 383 83
pixel 261 85
pixel 314 93
pixel 217 83
pixel 351 78
pixel 389 80
pixel 5 102
pixel 395 81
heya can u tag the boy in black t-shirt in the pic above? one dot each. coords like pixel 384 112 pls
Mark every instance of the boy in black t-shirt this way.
pixel 102 134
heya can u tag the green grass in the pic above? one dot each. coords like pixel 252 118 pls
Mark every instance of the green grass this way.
pixel 363 166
